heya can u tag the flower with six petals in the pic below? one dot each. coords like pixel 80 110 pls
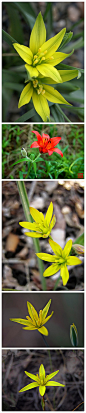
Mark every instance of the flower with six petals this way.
pixel 35 321
pixel 42 226
pixel 40 58
pixel 46 144
pixel 60 260
pixel 41 381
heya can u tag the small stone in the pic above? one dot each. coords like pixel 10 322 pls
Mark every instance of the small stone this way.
pixel 73 13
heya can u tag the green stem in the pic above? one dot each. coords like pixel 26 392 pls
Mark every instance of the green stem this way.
pixel 51 372
pixel 43 403
pixel 61 111
pixel 25 204
pixel 44 340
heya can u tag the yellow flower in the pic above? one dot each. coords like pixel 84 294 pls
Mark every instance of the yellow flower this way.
pixel 41 381
pixel 40 58
pixel 60 260
pixel 35 321
pixel 42 226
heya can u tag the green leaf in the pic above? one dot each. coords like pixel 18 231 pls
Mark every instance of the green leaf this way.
pixel 66 39
pixel 14 17
pixel 26 116
pixel 20 175
pixel 27 11
pixel 79 240
pixel 21 160
pixel 8 39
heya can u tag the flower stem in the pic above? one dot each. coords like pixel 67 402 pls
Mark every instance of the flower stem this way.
pixel 25 204
pixel 44 340
pixel 43 403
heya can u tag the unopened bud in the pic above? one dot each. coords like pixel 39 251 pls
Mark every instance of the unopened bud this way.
pixel 74 335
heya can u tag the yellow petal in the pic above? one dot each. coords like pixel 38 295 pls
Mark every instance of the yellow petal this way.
pixel 49 213
pixel 24 52
pixel 46 309
pixel 68 74
pixel 54 96
pixel 42 390
pixel 29 386
pixel 32 376
pixel 64 274
pixel 41 106
pixel 48 318
pixel 38 34
pixel 43 330
pixel 73 261
pixel 67 249
pixel 37 216
pixel 52 44
pixel 31 310
pixel 32 71
pixel 46 257
pixel 53 269
pixel 57 58
pixel 25 95
pixel 41 372
pixel 47 70
pixel 33 234
pixel 51 375
pixel 29 225
pixel 56 248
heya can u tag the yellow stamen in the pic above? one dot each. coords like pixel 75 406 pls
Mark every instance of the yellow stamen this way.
pixel 43 58
pixel 38 91
pixel 43 91
pixel 45 52
pixel 51 57
pixel 39 50
pixel 35 61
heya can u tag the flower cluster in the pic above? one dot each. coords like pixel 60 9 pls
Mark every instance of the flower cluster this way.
pixel 42 227
pixel 41 58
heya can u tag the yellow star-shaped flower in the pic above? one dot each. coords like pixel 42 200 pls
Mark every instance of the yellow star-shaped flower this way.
pixel 41 381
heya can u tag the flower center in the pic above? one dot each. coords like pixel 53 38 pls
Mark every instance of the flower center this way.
pixel 39 87
pixel 39 57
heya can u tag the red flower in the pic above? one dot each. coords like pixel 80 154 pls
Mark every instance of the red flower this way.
pixel 46 144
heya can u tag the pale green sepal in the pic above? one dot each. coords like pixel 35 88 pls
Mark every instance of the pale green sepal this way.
pixel 38 34
pixel 58 57
pixel 29 386
pixel 68 74
pixel 41 106
pixel 54 96
pixel 25 95
pixel 24 52
pixel 47 69
pixel 32 71
pixel 52 44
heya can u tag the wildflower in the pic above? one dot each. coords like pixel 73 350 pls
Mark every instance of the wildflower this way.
pixel 46 144
pixel 35 321
pixel 40 58
pixel 74 335
pixel 60 260
pixel 42 226
pixel 41 381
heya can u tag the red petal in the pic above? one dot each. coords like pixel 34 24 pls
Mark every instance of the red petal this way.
pixel 58 151
pixel 55 141
pixel 34 145
pixel 45 136
pixel 50 151
pixel 37 134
